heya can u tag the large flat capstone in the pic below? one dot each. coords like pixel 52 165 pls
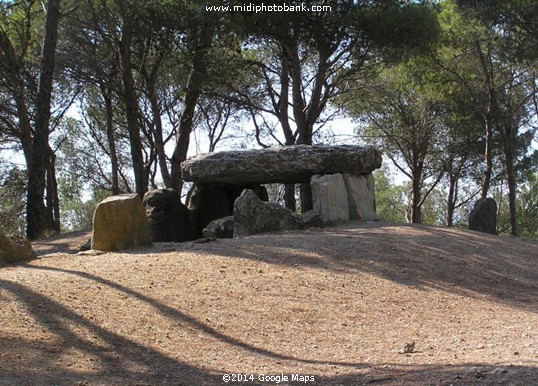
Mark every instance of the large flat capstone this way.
pixel 283 164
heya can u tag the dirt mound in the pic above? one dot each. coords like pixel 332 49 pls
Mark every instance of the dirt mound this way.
pixel 353 305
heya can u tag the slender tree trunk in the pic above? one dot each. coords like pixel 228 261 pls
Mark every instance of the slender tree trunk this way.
pixel 38 220
pixel 185 128
pixel 416 191
pixel 131 110
pixel 53 202
pixel 109 111
pixel 192 92
pixel 307 202
pixel 158 133
pixel 486 182
pixel 452 199
pixel 305 115
pixel 453 189
pixel 512 198
pixel 289 189
pixel 14 70
pixel 284 98
pixel 490 115
pixel 304 128
pixel 511 179
pixel 416 209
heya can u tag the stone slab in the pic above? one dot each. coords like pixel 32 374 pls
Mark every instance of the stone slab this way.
pixel 330 198
pixel 288 164
pixel 361 195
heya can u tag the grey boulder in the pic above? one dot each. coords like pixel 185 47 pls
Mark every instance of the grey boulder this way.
pixel 222 228
pixel 253 216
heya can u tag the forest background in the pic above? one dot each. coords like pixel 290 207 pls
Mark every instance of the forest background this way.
pixel 102 97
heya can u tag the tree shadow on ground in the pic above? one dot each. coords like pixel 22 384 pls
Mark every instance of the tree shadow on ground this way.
pixel 165 310
pixel 439 375
pixel 120 360
pixel 123 361
pixel 460 262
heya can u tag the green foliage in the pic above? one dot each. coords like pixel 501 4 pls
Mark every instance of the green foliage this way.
pixel 434 208
pixel 391 199
pixel 12 201
pixel 83 170
pixel 517 17
pixel 83 154
pixel 393 202
pixel 77 212
pixel 527 208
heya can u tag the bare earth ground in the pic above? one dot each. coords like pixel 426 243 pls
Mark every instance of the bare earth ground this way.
pixel 339 304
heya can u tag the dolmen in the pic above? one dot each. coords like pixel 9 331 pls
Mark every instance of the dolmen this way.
pixel 228 199
pixel 341 179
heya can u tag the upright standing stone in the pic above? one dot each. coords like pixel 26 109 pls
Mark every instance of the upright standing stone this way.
pixel 120 222
pixel 361 194
pixel 483 217
pixel 168 218
pixel 330 198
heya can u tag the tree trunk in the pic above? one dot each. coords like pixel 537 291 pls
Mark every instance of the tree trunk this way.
pixel 305 115
pixel 13 67
pixel 185 128
pixel 307 203
pixel 289 197
pixel 486 182
pixel 490 114
pixel 510 176
pixel 39 221
pixel 109 110
pixel 131 109
pixel 53 203
pixel 289 189
pixel 25 127
pixel 416 191
pixel 416 210
pixel 452 199
pixel 158 133
pixel 192 92
pixel 283 104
